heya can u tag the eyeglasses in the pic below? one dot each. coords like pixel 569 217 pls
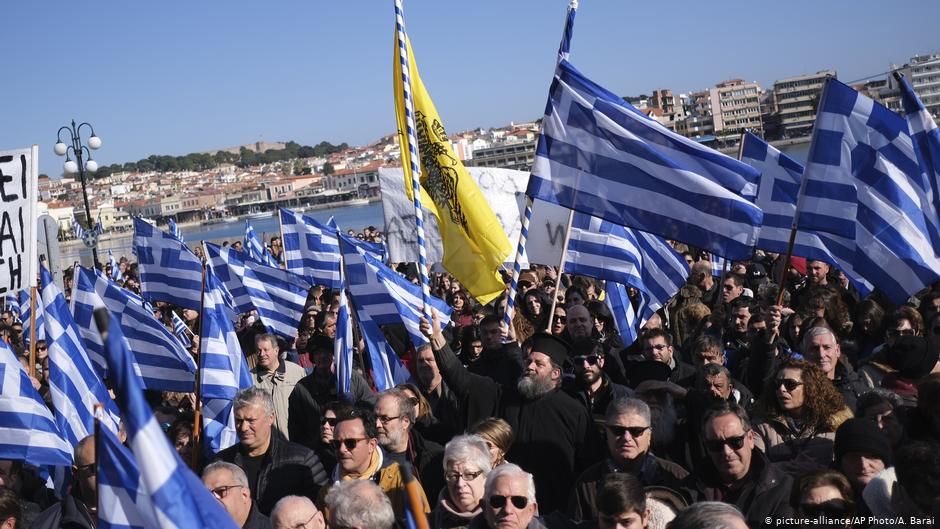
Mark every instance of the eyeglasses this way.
pixel 498 502
pixel 787 383
pixel 727 287
pixel 830 509
pixel 902 332
pixel 384 419
pixel 718 445
pixel 590 359
pixel 413 400
pixel 561 319
pixel 329 420
pixel 452 477
pixel 220 492
pixel 350 444
pixel 619 431
pixel 91 469
pixel 304 525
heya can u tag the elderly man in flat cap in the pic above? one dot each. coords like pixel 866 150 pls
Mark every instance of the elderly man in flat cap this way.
pixel 550 427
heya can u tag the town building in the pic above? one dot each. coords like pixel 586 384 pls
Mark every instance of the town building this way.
pixel 925 80
pixel 795 101
pixel 519 156
pixel 735 108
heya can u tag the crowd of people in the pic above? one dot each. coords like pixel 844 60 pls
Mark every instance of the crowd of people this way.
pixel 738 405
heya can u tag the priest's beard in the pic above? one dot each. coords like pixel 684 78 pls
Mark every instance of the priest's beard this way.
pixel 531 386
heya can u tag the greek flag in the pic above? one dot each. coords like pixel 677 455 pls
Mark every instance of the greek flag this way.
pixel 600 156
pixel 343 344
pixel 12 304
pixel 385 295
pixel 175 230
pixel 25 318
pixel 923 131
pixel 278 295
pixel 718 264
pixel 166 494
pixel 622 309
pixel 116 274
pixel 603 250
pixel 224 369
pixel 77 230
pixel 180 329
pixel 387 369
pixel 256 249
pixel 27 430
pixel 121 505
pixel 168 270
pixel 865 186
pixel 310 248
pixel 159 358
pixel 73 381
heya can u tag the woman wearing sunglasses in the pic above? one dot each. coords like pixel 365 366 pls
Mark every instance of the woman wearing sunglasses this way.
pixel 801 410
pixel 466 465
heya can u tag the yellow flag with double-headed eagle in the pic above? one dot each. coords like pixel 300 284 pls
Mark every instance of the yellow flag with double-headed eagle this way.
pixel 475 245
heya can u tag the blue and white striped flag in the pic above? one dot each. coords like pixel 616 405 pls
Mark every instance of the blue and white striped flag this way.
pixel 924 132
pixel 864 184
pixel 159 358
pixel 599 155
pixel 256 249
pixel 121 506
pixel 175 230
pixel 603 250
pixel 343 344
pixel 780 182
pixel 27 430
pixel 622 310
pixel 166 493
pixel 180 329
pixel 278 295
pixel 169 271
pixel 77 230
pixel 116 274
pixel 12 304
pixel 73 381
pixel 718 265
pixel 385 295
pixel 224 369
pixel 310 248
pixel 387 369
pixel 25 317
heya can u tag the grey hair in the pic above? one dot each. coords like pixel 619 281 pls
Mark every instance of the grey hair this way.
pixel 707 515
pixel 238 475
pixel 625 405
pixel 713 370
pixel 405 408
pixel 254 395
pixel 469 448
pixel 509 470
pixel 818 331
pixel 284 504
pixel 359 503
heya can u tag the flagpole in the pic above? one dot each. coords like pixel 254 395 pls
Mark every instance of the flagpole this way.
pixel 517 263
pixel 561 267
pixel 283 257
pixel 197 406
pixel 414 158
pixel 98 413
pixel 32 332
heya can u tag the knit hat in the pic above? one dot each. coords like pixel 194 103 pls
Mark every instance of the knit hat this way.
pixel 912 356
pixel 551 346
pixel 862 436
pixel 799 264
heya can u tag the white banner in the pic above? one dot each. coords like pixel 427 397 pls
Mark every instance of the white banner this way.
pixel 19 182
pixel 504 189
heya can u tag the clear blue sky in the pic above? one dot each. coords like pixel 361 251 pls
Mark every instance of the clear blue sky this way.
pixel 174 76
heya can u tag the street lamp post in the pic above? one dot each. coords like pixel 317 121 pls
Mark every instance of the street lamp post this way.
pixel 82 164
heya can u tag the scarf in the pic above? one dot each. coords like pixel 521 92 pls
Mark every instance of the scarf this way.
pixel 374 465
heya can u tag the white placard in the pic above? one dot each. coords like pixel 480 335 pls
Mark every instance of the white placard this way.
pixel 19 182
pixel 504 190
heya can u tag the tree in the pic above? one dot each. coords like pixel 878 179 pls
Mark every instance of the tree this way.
pixel 328 169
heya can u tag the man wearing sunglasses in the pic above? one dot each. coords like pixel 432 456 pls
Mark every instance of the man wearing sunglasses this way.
pixel 509 500
pixel 591 386
pixel 629 435
pixel 78 509
pixel 359 457
pixel 737 472
pixel 274 466
pixel 229 484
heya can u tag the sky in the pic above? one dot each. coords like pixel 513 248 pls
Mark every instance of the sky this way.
pixel 180 76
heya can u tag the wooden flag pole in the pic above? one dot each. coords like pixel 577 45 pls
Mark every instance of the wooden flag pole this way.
pixel 98 413
pixel 197 405
pixel 786 263
pixel 32 332
pixel 561 267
